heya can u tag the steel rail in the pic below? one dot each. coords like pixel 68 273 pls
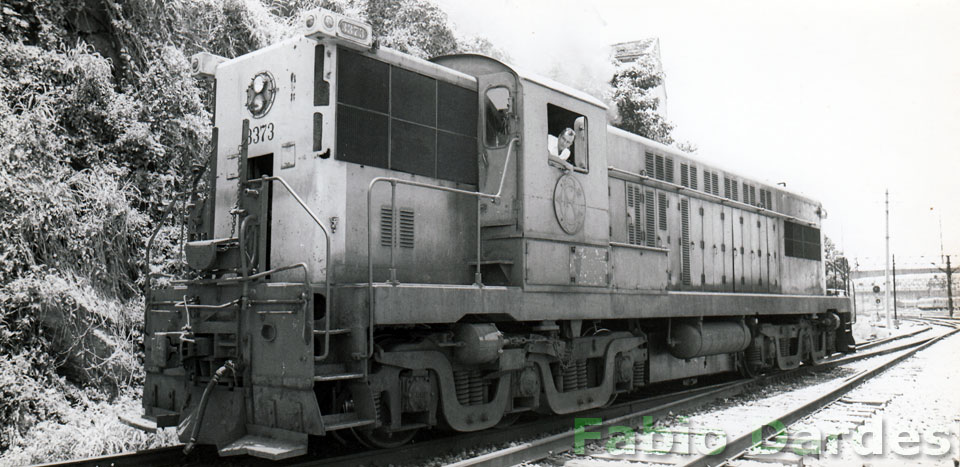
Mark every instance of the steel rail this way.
pixel 874 343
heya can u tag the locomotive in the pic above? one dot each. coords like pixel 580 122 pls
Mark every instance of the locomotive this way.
pixel 387 244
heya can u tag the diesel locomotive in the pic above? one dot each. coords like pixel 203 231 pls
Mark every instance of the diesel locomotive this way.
pixel 387 244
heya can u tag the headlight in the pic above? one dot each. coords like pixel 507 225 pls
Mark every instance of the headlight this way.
pixel 260 94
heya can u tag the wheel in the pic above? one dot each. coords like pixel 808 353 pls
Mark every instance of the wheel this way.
pixel 380 438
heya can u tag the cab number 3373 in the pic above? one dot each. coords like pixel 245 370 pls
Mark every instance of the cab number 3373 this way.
pixel 261 133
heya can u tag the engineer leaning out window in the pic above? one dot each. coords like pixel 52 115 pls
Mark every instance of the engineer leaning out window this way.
pixel 566 139
pixel 559 148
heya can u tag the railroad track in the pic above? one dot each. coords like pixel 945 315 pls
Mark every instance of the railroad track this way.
pixel 554 432
pixel 745 446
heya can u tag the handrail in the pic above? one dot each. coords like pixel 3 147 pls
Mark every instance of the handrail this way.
pixel 153 237
pixel 326 236
pixel 393 243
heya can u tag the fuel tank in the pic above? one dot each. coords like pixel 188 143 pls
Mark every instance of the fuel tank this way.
pixel 688 340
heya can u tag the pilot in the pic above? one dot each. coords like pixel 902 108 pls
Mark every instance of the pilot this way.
pixel 559 148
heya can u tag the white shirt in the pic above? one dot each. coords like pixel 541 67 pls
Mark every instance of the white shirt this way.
pixel 552 148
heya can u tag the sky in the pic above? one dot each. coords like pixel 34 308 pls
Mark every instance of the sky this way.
pixel 839 99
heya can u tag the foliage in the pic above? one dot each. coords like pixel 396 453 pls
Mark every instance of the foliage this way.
pixel 837 266
pixel 482 46
pixel 84 427
pixel 636 105
pixel 688 147
pixel 416 27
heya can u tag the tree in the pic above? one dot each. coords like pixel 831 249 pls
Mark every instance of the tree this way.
pixel 837 266
pixel 636 105
pixel 416 27
pixel 483 46
pixel 688 147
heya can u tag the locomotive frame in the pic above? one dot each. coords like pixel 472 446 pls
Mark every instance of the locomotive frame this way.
pixel 388 244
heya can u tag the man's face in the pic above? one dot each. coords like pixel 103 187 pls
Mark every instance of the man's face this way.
pixel 566 139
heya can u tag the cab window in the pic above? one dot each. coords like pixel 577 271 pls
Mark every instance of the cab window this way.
pixel 496 115
pixel 567 139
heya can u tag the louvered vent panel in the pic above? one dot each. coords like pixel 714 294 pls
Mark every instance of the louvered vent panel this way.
pixel 662 211
pixel 659 172
pixel 770 205
pixel 707 188
pixel 406 228
pixel 727 193
pixel 405 232
pixel 634 212
pixel 669 172
pixel 763 198
pixel 746 193
pixel 649 166
pixel 716 183
pixel 651 239
pixel 693 177
pixel 753 196
pixel 736 194
pixel 685 241
pixel 684 175
pixel 386 226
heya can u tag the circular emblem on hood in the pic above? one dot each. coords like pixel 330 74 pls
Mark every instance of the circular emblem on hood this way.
pixel 260 94
pixel 569 204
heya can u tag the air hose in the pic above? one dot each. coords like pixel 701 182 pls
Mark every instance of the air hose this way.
pixel 221 372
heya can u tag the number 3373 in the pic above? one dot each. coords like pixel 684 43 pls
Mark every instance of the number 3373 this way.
pixel 261 133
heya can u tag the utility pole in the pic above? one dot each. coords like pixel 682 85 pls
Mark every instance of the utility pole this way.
pixel 895 319
pixel 886 258
pixel 949 272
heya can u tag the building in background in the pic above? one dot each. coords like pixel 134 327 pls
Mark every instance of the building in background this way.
pixel 645 50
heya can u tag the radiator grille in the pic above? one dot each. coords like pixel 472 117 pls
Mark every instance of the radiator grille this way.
pixel 685 241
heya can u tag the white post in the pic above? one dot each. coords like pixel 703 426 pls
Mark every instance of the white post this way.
pixel 886 271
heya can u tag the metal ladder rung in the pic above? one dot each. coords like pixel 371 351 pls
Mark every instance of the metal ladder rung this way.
pixel 332 332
